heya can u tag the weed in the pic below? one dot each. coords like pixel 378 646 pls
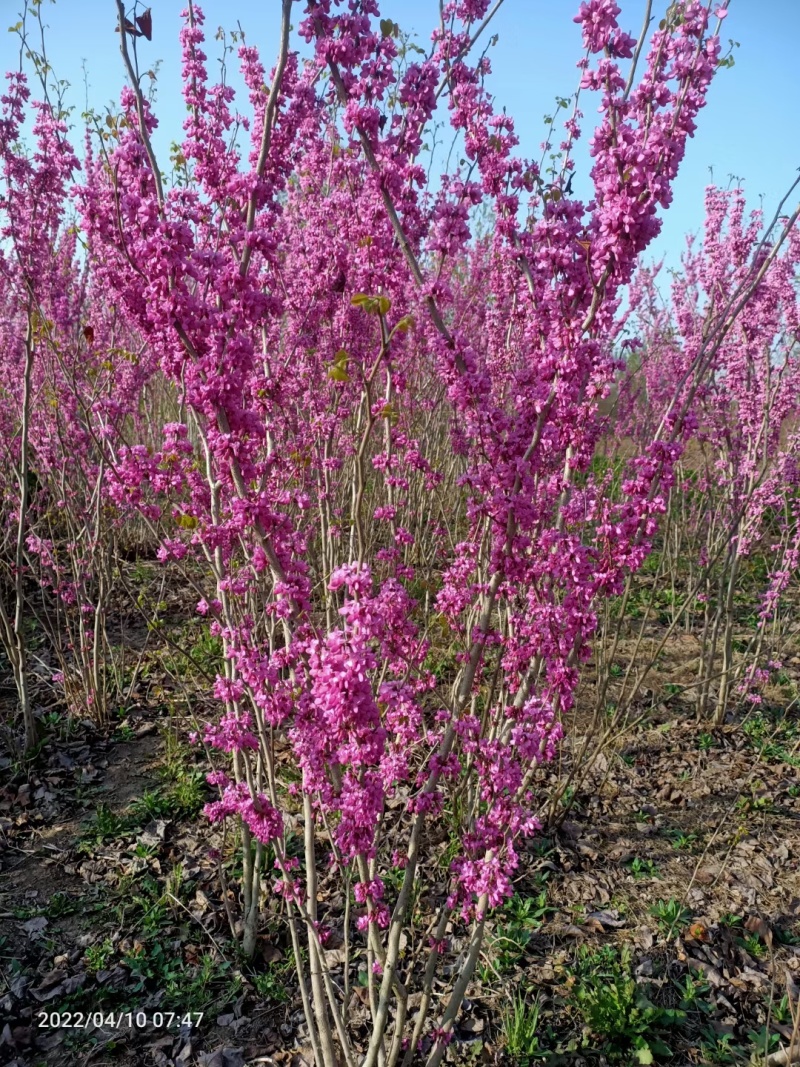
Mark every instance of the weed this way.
pixel 141 896
pixel 643 868
pixel 695 995
pixel 782 1011
pixel 763 1041
pixel 542 847
pixel 670 915
pixel 620 904
pixel 613 1007
pixel 98 956
pixel 185 782
pixel 152 804
pixel 23 912
pixel 771 734
pixel 273 984
pixel 521 1030
pixel 730 919
pixel 192 985
pixel 107 825
pixel 786 937
pixel 61 904
pixel 755 802
pixel 680 840
pixel 752 945
pixel 187 795
pixel 442 662
pixel 211 972
pixel 520 918
pixel 719 1049
pixel 528 913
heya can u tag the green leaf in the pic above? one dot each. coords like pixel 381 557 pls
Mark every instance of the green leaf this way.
pixel 373 305
pixel 644 1054
pixel 660 1048
pixel 338 372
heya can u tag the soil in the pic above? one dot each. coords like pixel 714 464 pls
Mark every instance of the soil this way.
pixel 677 866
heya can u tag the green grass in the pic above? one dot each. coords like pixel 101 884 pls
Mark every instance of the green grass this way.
pixel 159 953
pixel 520 1027
pixel 182 795
pixel 97 957
pixel 275 982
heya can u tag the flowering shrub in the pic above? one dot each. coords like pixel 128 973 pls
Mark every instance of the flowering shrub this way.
pixel 382 458
pixel 72 388
pixel 738 427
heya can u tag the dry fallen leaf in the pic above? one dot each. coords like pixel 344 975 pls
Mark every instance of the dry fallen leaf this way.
pixel 756 925
pixel 35 927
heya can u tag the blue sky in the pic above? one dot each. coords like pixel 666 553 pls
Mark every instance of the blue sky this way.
pixel 750 128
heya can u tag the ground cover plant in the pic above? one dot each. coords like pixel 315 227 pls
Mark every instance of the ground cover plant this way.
pixel 397 587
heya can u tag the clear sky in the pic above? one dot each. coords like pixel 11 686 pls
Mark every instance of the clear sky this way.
pixel 750 128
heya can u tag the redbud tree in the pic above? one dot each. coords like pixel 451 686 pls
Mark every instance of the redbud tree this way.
pixel 379 470
pixel 72 382
pixel 734 307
